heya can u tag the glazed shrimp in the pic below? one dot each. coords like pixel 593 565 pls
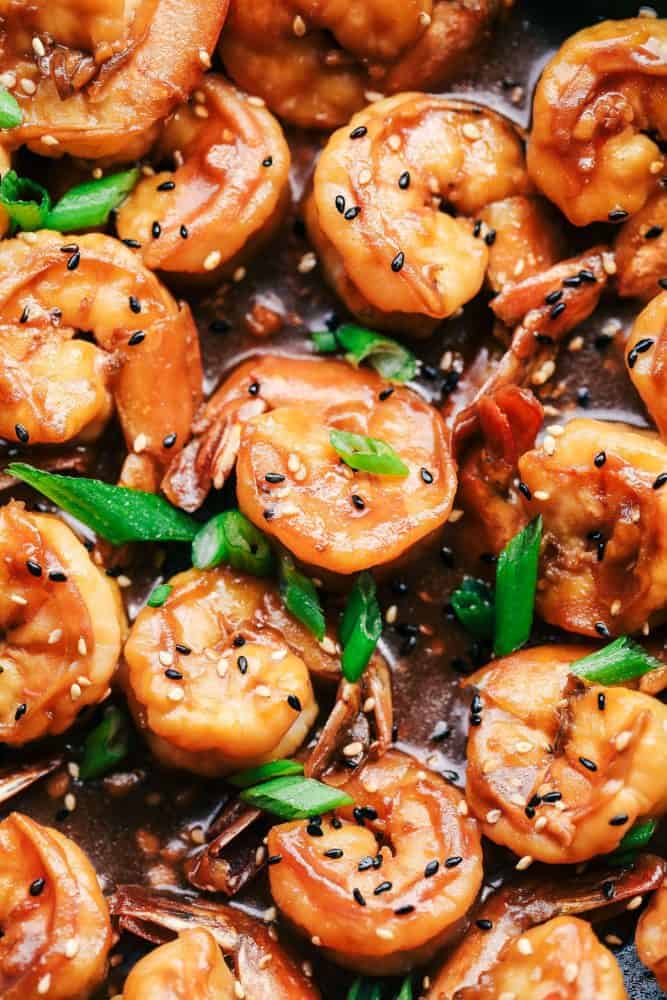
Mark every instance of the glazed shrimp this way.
pixel 95 79
pixel 641 251
pixel 55 922
pixel 599 111
pixel 604 568
pixel 374 216
pixel 145 359
pixel 651 936
pixel 189 968
pixel 218 677
pixel 645 359
pixel 559 769
pixel 314 63
pixel 229 188
pixel 62 626
pixel 274 415
pixel 526 240
pixel 382 909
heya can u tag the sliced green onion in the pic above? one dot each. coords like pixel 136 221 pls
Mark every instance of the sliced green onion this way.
pixel 389 358
pixel 10 111
pixel 516 583
pixel 300 597
pixel 360 627
pixel 89 205
pixel 368 454
pixel 365 989
pixel 265 772
pixel 26 202
pixel 474 606
pixel 635 840
pixel 325 342
pixel 622 660
pixel 159 595
pixel 118 514
pixel 405 992
pixel 295 797
pixel 106 745
pixel 231 538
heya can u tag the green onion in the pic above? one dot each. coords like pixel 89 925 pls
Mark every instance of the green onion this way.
pixel 406 990
pixel 325 342
pixel 88 205
pixel 360 627
pixel 27 203
pixel 10 112
pixel 389 358
pixel 118 514
pixel 265 772
pixel 368 454
pixel 159 595
pixel 516 582
pixel 295 797
pixel 300 597
pixel 231 538
pixel 622 660
pixel 365 989
pixel 474 606
pixel 106 745
pixel 635 840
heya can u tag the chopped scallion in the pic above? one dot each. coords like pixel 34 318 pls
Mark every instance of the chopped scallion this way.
pixel 106 745
pixel 360 627
pixel 295 797
pixel 516 583
pixel 300 597
pixel 474 606
pixel 159 595
pixel 622 660
pixel 231 538
pixel 89 205
pixel 368 454
pixel 265 772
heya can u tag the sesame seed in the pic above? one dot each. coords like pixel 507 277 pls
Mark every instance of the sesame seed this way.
pixel 169 441
pixel 299 26
pixel 74 261
pixel 404 180
pixel 617 215
pixel 622 741
pixel 140 443
pixel 588 764
pixel 28 86
pixel 75 692
pixel 484 924
pixel 175 694
pixel 212 260
pixel 660 481
pixel 493 816
pixel 37 887
pixel 454 861
pixel 137 337
pixel 524 862
pixel 293 702
pixel 21 433
pixel 71 947
pixel 353 749
pixel 44 984
pixel 635 902
pixel 619 820
pixel 358 898
pixel 352 213
pixel 398 262
pixel 403 911
pixel 524 947
pixel 431 869
pixel 242 664
pixel 165 657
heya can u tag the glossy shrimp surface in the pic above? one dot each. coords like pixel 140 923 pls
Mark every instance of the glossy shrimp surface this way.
pixel 94 79
pixel 651 936
pixel 604 556
pixel 641 251
pixel 599 109
pixel 62 626
pixel 393 256
pixel 144 360
pixel 559 769
pixel 218 677
pixel 55 922
pixel 273 417
pixel 386 894
pixel 229 188
pixel 189 968
pixel 645 355
pixel 314 63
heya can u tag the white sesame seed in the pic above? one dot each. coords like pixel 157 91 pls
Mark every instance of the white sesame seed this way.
pixel 523 746
pixel 542 495
pixel 549 444
pixel 391 614
pixel 609 263
pixel 373 96
pixel 49 140
pixel 462 808
pixel 540 823
pixel 571 972
pixel 75 692
pixel 239 274
pixel 635 902
pixel 315 940
pixel 38 47
pixel 82 646
pixel 493 816
pixel 175 694
pixel 263 690
pixel 123 581
pixel 269 915
pixel 613 939
pixel 140 443
pixel 307 263
pixel 622 740
pixel 166 658
pixel 384 933
pixel 524 947
pixel 524 862
pixel 328 645
pixel 222 667
pixel 18 599
pixel 424 19
pixel 28 86
pixel 55 636
pixel 71 947
pixel 455 516
pixel 44 984
pixel 204 58
pixel 353 749
pixel 365 176
pixel 70 802
pixel 73 769
pixel 212 260
pixel 299 26
pixel 238 990
pixel 471 131
pixel 615 608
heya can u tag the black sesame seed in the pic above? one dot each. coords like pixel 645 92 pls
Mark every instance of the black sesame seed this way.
pixel 660 481
pixel 584 397
pixel 552 797
pixel 385 394
pixel 135 304
pixel 617 215
pixel 340 203
pixel 137 337
pixel 358 898
pixel 220 326
pixel 475 720
pixel 21 433
pixel 558 310
pixel 314 829
pixel 447 556
pixel 293 702
pixel 274 477
pixel 37 887
pixel 166 186
pixel 334 852
pixel 382 887
pixel 402 911
pixel 431 868
pixel 267 161
pixel 57 576
pixel 358 814
pixel 33 567
pixel 70 248
pixel 477 228
pixel 588 764
pixel 20 712
pixel 553 297
pixel 182 649
pixel 73 261
pixel 358 132
pixel 238 641
pixel 25 315
pixel 608 890
pixel 441 732
pixel 484 924
pixel 602 630
pixel 132 244
pixel 183 232
pixel 242 664
pixel 663 283
pixel 653 233
pixel 602 701
pixel 169 441
pixel 426 476
pixel 490 237
pixel 358 502
pixel 600 459
pixel 643 345
pixel 404 180
pixel 398 262
pixel 525 490
pixel 369 812
pixel 588 276
pixel 543 338
pixel 173 675
pixel 530 812
pixel 619 820
pixel 352 213
pixel 253 388
pixel 574 282
pixel 453 862
pixel 156 230
pixel 274 859
pixel 365 864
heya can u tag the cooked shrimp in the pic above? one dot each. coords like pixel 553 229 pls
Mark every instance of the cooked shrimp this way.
pixel 641 251
pixel 276 415
pixel 263 969
pixel 227 194
pixel 314 64
pixel 604 555
pixel 599 111
pixel 375 215
pixel 645 359
pixel 62 626
pixel 559 769
pixel 189 968
pixel 55 922
pixel 651 936
pixel 145 359
pixel 382 909
pixel 96 78
pixel 218 677
pixel 526 239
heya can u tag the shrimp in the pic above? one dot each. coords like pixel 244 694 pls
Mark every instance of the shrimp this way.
pixel 55 922
pixel 526 240
pixel 189 968
pixel 375 213
pixel 229 190
pixel 218 677
pixel 97 78
pixel 62 626
pixel 651 936
pixel 599 490
pixel 559 769
pixel 273 416
pixel 645 359
pixel 641 251
pixel 381 909
pixel 55 388
pixel 600 110
pixel 315 63
pixel 263 969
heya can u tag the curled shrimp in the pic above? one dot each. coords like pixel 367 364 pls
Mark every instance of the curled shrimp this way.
pixel 315 63
pixel 218 676
pixel 645 359
pixel 97 78
pixel 385 895
pixel 641 251
pixel 55 388
pixel 62 626
pixel 273 417
pixel 651 936
pixel 598 114
pixel 603 562
pixel 394 257
pixel 55 922
pixel 559 769
pixel 526 239
pixel 228 191
pixel 189 968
